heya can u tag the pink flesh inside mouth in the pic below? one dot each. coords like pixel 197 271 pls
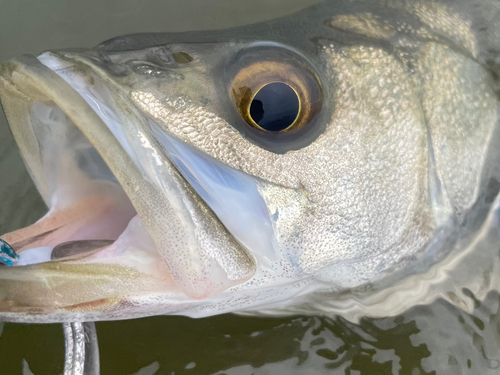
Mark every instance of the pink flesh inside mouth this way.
pixel 101 215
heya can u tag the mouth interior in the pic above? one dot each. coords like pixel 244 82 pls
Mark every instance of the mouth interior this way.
pixel 89 210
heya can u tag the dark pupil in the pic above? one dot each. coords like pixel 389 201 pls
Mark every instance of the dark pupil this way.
pixel 275 107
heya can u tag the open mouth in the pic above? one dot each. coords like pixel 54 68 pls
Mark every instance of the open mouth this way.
pixel 124 196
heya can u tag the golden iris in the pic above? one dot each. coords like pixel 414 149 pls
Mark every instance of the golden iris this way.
pixel 277 95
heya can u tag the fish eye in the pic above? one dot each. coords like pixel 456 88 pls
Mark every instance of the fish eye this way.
pixel 276 96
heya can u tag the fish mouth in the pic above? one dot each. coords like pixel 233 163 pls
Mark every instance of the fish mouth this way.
pixel 133 210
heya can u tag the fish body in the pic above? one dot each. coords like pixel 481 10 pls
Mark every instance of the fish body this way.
pixel 342 160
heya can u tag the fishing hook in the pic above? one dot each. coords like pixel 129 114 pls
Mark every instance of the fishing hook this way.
pixel 82 350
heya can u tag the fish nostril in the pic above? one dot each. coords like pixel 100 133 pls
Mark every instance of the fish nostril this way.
pixel 275 107
pixel 182 58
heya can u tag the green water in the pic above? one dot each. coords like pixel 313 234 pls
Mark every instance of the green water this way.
pixel 434 339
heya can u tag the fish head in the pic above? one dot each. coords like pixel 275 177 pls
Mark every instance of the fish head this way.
pixel 282 167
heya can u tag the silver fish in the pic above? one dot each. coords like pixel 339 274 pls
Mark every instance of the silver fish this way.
pixel 343 160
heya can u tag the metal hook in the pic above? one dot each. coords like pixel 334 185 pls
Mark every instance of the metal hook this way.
pixel 82 350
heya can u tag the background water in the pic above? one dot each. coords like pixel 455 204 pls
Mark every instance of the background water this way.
pixel 434 339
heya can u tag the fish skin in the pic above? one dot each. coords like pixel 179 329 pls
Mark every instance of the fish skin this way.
pixel 374 190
